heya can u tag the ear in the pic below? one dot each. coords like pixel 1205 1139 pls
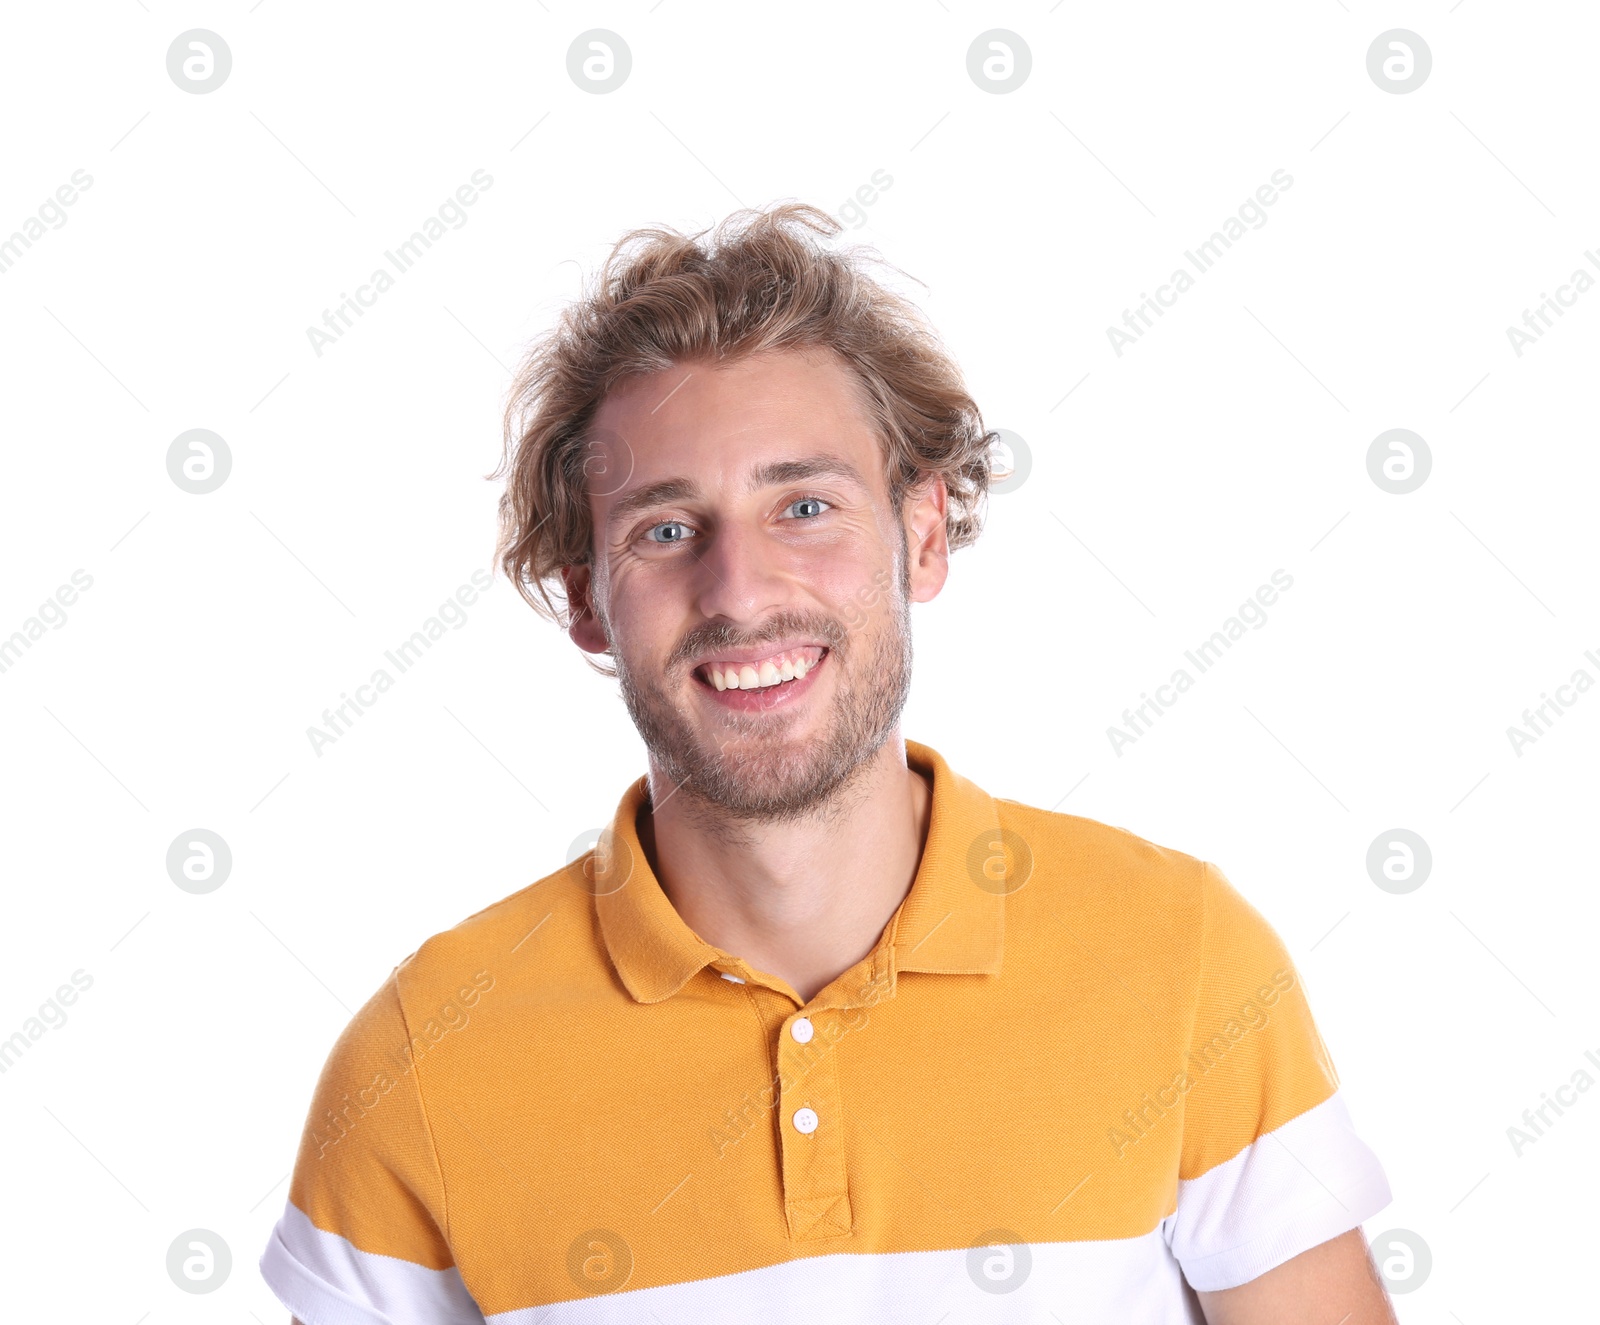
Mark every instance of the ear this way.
pixel 585 629
pixel 927 539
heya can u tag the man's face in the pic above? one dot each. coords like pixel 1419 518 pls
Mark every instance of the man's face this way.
pixel 773 553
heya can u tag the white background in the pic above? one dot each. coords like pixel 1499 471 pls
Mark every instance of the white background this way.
pixel 1167 483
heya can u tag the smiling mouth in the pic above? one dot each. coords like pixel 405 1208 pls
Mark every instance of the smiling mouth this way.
pixel 766 673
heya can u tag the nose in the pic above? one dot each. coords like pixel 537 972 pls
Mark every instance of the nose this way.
pixel 742 574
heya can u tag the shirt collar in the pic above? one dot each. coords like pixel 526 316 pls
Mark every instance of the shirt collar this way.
pixel 951 921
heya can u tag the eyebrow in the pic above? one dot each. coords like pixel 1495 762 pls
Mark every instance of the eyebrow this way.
pixel 772 474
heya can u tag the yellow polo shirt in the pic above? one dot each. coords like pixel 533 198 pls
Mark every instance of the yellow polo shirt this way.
pixel 1076 1074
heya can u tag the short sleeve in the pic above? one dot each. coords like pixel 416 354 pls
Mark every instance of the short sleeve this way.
pixel 1271 1163
pixel 363 1237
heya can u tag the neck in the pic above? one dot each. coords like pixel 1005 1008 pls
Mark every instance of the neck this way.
pixel 803 899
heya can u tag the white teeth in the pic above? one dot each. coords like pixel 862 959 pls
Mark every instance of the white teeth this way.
pixel 754 676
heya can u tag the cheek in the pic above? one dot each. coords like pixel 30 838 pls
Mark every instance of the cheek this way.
pixel 868 600
pixel 842 585
pixel 645 617
pixel 852 565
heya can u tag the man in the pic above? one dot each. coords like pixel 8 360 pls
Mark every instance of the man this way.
pixel 819 1030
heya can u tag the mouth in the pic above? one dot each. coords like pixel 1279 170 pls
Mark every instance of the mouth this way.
pixel 761 683
pixel 764 672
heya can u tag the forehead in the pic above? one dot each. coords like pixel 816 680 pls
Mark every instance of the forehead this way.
pixel 717 425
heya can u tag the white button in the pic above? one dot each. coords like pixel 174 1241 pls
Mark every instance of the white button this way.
pixel 805 1120
pixel 729 975
pixel 801 1030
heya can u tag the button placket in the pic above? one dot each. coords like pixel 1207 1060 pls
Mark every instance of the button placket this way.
pixel 815 1185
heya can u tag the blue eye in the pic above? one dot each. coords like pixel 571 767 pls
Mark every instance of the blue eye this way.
pixel 666 524
pixel 808 501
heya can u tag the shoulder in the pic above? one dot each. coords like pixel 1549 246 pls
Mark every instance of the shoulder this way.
pixel 529 935
pixel 1117 893
pixel 1095 861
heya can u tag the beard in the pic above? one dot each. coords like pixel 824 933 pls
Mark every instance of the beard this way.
pixel 748 770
